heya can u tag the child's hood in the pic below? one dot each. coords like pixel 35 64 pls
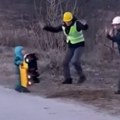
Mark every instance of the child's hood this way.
pixel 18 51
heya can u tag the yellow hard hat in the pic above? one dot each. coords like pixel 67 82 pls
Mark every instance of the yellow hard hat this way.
pixel 67 17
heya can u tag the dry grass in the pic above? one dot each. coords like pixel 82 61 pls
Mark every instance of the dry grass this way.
pixel 102 73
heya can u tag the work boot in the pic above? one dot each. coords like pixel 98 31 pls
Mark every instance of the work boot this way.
pixel 117 92
pixel 67 81
pixel 82 79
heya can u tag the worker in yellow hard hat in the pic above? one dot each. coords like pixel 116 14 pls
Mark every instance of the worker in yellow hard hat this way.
pixel 73 30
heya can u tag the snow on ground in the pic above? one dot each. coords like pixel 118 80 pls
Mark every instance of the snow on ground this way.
pixel 20 106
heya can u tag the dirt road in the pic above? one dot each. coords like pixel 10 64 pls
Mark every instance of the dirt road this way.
pixel 20 106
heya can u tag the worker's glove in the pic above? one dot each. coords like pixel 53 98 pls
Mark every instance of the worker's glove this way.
pixel 45 27
pixel 41 24
pixel 110 32
pixel 83 22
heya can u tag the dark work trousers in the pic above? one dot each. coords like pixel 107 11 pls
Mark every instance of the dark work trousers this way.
pixel 73 54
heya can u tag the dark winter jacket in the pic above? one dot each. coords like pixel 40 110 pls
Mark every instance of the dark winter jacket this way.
pixel 18 55
pixel 115 38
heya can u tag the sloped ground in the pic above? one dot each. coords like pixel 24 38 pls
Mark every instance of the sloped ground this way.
pixel 22 106
pixel 98 90
pixel 102 77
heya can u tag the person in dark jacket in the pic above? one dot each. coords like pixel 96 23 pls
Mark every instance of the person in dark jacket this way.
pixel 114 35
pixel 73 30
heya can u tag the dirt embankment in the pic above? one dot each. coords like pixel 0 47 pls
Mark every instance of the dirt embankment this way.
pixel 102 78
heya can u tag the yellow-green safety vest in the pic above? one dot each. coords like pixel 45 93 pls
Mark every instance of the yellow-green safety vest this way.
pixel 74 36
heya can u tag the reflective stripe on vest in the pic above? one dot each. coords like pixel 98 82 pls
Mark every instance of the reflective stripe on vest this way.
pixel 74 36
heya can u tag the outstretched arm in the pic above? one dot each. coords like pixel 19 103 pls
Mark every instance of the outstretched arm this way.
pixel 110 36
pixel 82 25
pixel 18 61
pixel 53 29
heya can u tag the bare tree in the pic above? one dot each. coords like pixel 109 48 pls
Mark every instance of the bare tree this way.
pixel 53 11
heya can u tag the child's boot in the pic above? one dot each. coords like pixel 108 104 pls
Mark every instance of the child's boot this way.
pixel 18 88
pixel 24 89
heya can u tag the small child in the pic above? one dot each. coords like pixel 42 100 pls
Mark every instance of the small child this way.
pixel 18 61
pixel 114 36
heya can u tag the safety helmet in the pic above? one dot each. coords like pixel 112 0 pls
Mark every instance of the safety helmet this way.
pixel 116 20
pixel 67 17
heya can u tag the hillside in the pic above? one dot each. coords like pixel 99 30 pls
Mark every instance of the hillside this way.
pixel 20 23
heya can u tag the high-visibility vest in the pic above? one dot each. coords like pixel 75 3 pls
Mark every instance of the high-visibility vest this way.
pixel 74 36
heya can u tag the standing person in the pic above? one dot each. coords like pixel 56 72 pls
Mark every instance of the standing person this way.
pixel 114 36
pixel 73 30
pixel 18 61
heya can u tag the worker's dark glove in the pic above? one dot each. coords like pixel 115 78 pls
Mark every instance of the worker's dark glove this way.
pixel 44 28
pixel 83 22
